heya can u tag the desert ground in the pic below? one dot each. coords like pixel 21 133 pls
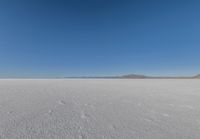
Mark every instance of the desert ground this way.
pixel 99 109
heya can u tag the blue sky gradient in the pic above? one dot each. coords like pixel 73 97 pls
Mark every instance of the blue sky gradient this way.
pixel 56 38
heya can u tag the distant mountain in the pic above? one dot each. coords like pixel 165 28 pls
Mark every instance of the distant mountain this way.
pixel 134 76
pixel 138 76
pixel 197 76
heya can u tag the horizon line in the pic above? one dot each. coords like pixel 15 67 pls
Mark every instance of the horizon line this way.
pixel 123 76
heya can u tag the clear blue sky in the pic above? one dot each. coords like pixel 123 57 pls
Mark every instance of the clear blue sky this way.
pixel 48 38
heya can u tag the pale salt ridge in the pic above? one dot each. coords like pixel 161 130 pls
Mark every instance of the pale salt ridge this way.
pixel 99 109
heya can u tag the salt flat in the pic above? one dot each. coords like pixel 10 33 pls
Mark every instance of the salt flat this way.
pixel 99 109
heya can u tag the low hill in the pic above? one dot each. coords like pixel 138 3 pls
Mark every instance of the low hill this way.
pixel 197 76
pixel 132 76
pixel 138 76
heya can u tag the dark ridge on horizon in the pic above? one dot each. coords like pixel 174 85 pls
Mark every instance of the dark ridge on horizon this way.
pixel 197 76
pixel 139 76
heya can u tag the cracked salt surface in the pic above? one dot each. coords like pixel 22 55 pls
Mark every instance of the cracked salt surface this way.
pixel 99 109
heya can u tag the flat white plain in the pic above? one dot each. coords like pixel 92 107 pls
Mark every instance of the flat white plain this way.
pixel 99 109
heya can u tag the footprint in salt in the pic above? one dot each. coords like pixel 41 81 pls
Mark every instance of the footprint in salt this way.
pixel 50 112
pixel 90 106
pixel 165 115
pixel 112 127
pixel 81 136
pixel 9 112
pixel 188 107
pixel 61 102
pixel 149 119
pixel 139 104
pixel 84 116
pixel 79 128
pixel 171 105
pixel 198 122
